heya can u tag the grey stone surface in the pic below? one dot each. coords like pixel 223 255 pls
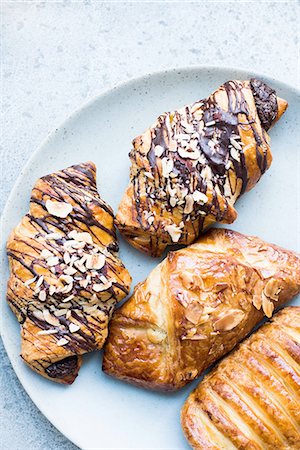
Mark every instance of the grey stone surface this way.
pixel 59 54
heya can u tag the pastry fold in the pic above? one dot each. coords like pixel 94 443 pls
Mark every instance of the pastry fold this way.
pixel 251 399
pixel 190 167
pixel 196 306
pixel 65 274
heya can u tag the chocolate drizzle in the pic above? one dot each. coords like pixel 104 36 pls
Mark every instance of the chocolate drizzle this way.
pixel 221 168
pixel 75 319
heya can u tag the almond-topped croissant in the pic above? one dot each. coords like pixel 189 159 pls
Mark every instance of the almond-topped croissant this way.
pixel 251 399
pixel 65 275
pixel 196 306
pixel 190 167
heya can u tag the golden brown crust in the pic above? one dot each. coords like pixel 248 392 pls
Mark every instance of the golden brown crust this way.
pixel 190 167
pixel 196 306
pixel 251 399
pixel 65 275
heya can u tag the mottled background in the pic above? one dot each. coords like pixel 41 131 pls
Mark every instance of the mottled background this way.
pixel 56 55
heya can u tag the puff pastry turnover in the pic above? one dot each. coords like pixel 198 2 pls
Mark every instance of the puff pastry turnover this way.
pixel 196 306
pixel 251 399
pixel 190 167
pixel 65 275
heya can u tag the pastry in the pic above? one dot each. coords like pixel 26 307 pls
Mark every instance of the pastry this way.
pixel 196 306
pixel 65 275
pixel 190 167
pixel 251 399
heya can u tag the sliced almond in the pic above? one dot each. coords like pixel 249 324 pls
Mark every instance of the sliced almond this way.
pixel 189 153
pixel 200 197
pixel 74 328
pixel 29 282
pixel 193 313
pixel 267 306
pixel 53 236
pixel 174 231
pixel 67 257
pixel 66 279
pixel 39 281
pixel 67 299
pixel 101 287
pixel 158 150
pixel 61 342
pixel 221 286
pixel 60 312
pixel 45 332
pixel 272 289
pixel 50 319
pixel 189 204
pixel 83 283
pixel 52 261
pixel 58 209
pixel 70 271
pixel 229 320
pixel 45 253
pixel 188 279
pixel 96 261
pixel 42 296
pixel 84 237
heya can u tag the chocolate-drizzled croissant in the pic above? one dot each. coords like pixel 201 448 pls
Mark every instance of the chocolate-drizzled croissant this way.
pixel 190 167
pixel 65 275
pixel 251 399
pixel 196 306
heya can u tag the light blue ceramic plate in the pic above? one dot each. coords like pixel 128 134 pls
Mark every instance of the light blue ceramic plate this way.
pixel 98 412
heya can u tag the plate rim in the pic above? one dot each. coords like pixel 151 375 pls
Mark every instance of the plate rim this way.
pixel 70 117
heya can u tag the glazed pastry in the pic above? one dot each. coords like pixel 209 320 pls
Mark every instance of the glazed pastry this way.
pixel 65 275
pixel 251 399
pixel 196 306
pixel 190 167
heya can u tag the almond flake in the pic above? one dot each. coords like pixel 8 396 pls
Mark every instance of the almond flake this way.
pixel 45 253
pixel 72 234
pixel 39 282
pixel 211 123
pixel 167 166
pixel 235 144
pixel 229 320
pixel 65 300
pixel 30 281
pixel 54 236
pixel 52 261
pixel 50 319
pixel 73 327
pixel 58 209
pixel 42 296
pixel 60 312
pixel 186 154
pixel 95 261
pixel 189 203
pixel 84 237
pixel 158 150
pixel 66 279
pixel 149 175
pixel 200 197
pixel 67 288
pixel 45 332
pixel 70 271
pixel 267 306
pixel 62 342
pixel 193 313
pixel 67 257
pixel 174 231
pixel 235 154
pixel 83 283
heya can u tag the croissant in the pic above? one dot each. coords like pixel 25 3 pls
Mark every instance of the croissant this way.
pixel 251 399
pixel 65 275
pixel 196 306
pixel 190 167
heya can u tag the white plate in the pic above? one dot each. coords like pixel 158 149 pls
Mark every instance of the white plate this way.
pixel 99 412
